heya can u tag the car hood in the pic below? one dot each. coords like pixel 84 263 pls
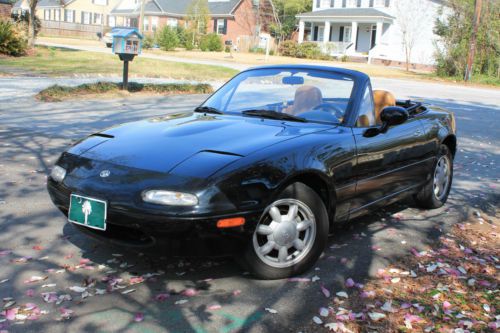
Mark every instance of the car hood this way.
pixel 161 144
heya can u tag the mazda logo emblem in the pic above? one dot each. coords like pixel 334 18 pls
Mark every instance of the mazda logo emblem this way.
pixel 105 173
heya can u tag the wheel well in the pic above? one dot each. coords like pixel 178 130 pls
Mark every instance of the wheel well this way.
pixel 451 143
pixel 319 185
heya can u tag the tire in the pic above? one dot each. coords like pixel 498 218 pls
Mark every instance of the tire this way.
pixel 108 45
pixel 272 252
pixel 430 197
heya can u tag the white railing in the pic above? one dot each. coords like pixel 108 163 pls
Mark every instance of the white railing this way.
pixel 334 48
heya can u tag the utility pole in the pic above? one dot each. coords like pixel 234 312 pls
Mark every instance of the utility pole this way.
pixel 141 17
pixel 472 47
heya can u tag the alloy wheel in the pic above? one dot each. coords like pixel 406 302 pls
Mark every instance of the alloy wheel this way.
pixel 285 234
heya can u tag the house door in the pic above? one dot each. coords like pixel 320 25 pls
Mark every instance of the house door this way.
pixel 347 34
pixel 321 33
pixel 373 39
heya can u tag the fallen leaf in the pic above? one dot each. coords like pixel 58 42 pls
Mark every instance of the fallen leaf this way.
pixel 271 310
pixel 349 283
pixel 342 294
pixel 376 316
pixel 139 317
pixel 325 291
pixel 317 320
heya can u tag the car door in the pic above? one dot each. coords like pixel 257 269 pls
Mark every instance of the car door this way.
pixel 387 164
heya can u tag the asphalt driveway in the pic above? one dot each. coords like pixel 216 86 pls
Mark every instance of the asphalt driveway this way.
pixel 41 253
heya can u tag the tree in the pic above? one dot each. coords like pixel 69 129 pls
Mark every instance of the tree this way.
pixel 410 15
pixel 198 16
pixel 31 23
pixel 284 12
pixel 455 31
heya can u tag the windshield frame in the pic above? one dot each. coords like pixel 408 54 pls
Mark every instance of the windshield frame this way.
pixel 355 77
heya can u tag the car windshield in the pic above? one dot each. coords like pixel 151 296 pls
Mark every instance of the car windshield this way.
pixel 286 94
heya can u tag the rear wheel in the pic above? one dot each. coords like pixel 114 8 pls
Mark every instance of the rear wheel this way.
pixel 436 191
pixel 290 236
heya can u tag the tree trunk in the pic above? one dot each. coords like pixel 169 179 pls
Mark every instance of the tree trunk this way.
pixel 31 24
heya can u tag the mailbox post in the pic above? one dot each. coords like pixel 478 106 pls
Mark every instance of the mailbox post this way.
pixel 127 43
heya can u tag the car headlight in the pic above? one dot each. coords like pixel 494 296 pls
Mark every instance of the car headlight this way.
pixel 58 173
pixel 170 198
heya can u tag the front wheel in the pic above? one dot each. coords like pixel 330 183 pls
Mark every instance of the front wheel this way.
pixel 435 192
pixel 290 236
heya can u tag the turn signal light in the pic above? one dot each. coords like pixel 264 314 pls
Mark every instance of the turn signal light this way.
pixel 231 223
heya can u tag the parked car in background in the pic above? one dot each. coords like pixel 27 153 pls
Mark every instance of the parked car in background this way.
pixel 274 159
pixel 108 39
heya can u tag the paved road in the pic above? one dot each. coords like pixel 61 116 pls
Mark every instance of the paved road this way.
pixel 33 134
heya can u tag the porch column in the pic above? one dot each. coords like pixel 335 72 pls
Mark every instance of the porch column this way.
pixel 302 26
pixel 354 37
pixel 378 35
pixel 326 32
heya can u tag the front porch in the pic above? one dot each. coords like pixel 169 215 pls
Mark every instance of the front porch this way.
pixel 357 34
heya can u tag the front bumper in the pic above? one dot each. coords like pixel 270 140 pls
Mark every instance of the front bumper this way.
pixel 138 225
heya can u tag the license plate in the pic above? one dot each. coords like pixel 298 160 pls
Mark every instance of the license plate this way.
pixel 88 212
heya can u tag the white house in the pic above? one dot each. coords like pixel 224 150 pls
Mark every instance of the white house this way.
pixel 380 31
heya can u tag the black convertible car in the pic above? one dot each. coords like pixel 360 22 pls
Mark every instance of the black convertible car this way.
pixel 274 159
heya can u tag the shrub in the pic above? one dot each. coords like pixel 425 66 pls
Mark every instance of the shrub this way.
pixel 148 42
pixel 211 42
pixel 289 48
pixel 185 38
pixel 306 50
pixel 13 39
pixel 168 38
pixel 24 18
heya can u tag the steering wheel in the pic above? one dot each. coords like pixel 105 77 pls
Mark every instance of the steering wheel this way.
pixel 330 108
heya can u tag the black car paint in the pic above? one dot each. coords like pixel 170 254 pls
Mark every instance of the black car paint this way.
pixel 237 165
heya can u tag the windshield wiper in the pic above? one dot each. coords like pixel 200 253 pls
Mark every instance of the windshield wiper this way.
pixel 207 109
pixel 273 115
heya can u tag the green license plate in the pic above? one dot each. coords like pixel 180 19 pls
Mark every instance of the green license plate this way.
pixel 88 212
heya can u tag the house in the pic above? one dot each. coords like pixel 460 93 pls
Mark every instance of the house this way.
pixel 84 18
pixel 377 31
pixel 232 19
pixel 5 9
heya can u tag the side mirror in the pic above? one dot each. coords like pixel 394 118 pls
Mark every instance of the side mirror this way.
pixel 390 116
pixel 393 115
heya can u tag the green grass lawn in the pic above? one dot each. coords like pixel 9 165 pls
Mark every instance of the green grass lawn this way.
pixel 63 62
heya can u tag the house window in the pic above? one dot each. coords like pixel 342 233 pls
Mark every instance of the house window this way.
pixel 221 26
pixel 154 23
pixel 172 22
pixel 332 3
pixel 379 3
pixel 85 17
pixel 46 15
pixel 111 21
pixel 146 24
pixel 57 14
pixel 97 18
pixel 70 15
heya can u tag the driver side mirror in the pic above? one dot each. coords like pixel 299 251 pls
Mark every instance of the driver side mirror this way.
pixel 390 116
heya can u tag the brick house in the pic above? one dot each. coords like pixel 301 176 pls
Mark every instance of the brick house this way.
pixel 5 9
pixel 234 20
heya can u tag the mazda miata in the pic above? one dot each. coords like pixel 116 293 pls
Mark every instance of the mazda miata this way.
pixel 274 159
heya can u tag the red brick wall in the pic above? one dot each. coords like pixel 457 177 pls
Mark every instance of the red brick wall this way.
pixel 243 23
pixel 5 10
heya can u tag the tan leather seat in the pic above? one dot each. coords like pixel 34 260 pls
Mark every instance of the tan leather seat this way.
pixel 382 99
pixel 306 99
